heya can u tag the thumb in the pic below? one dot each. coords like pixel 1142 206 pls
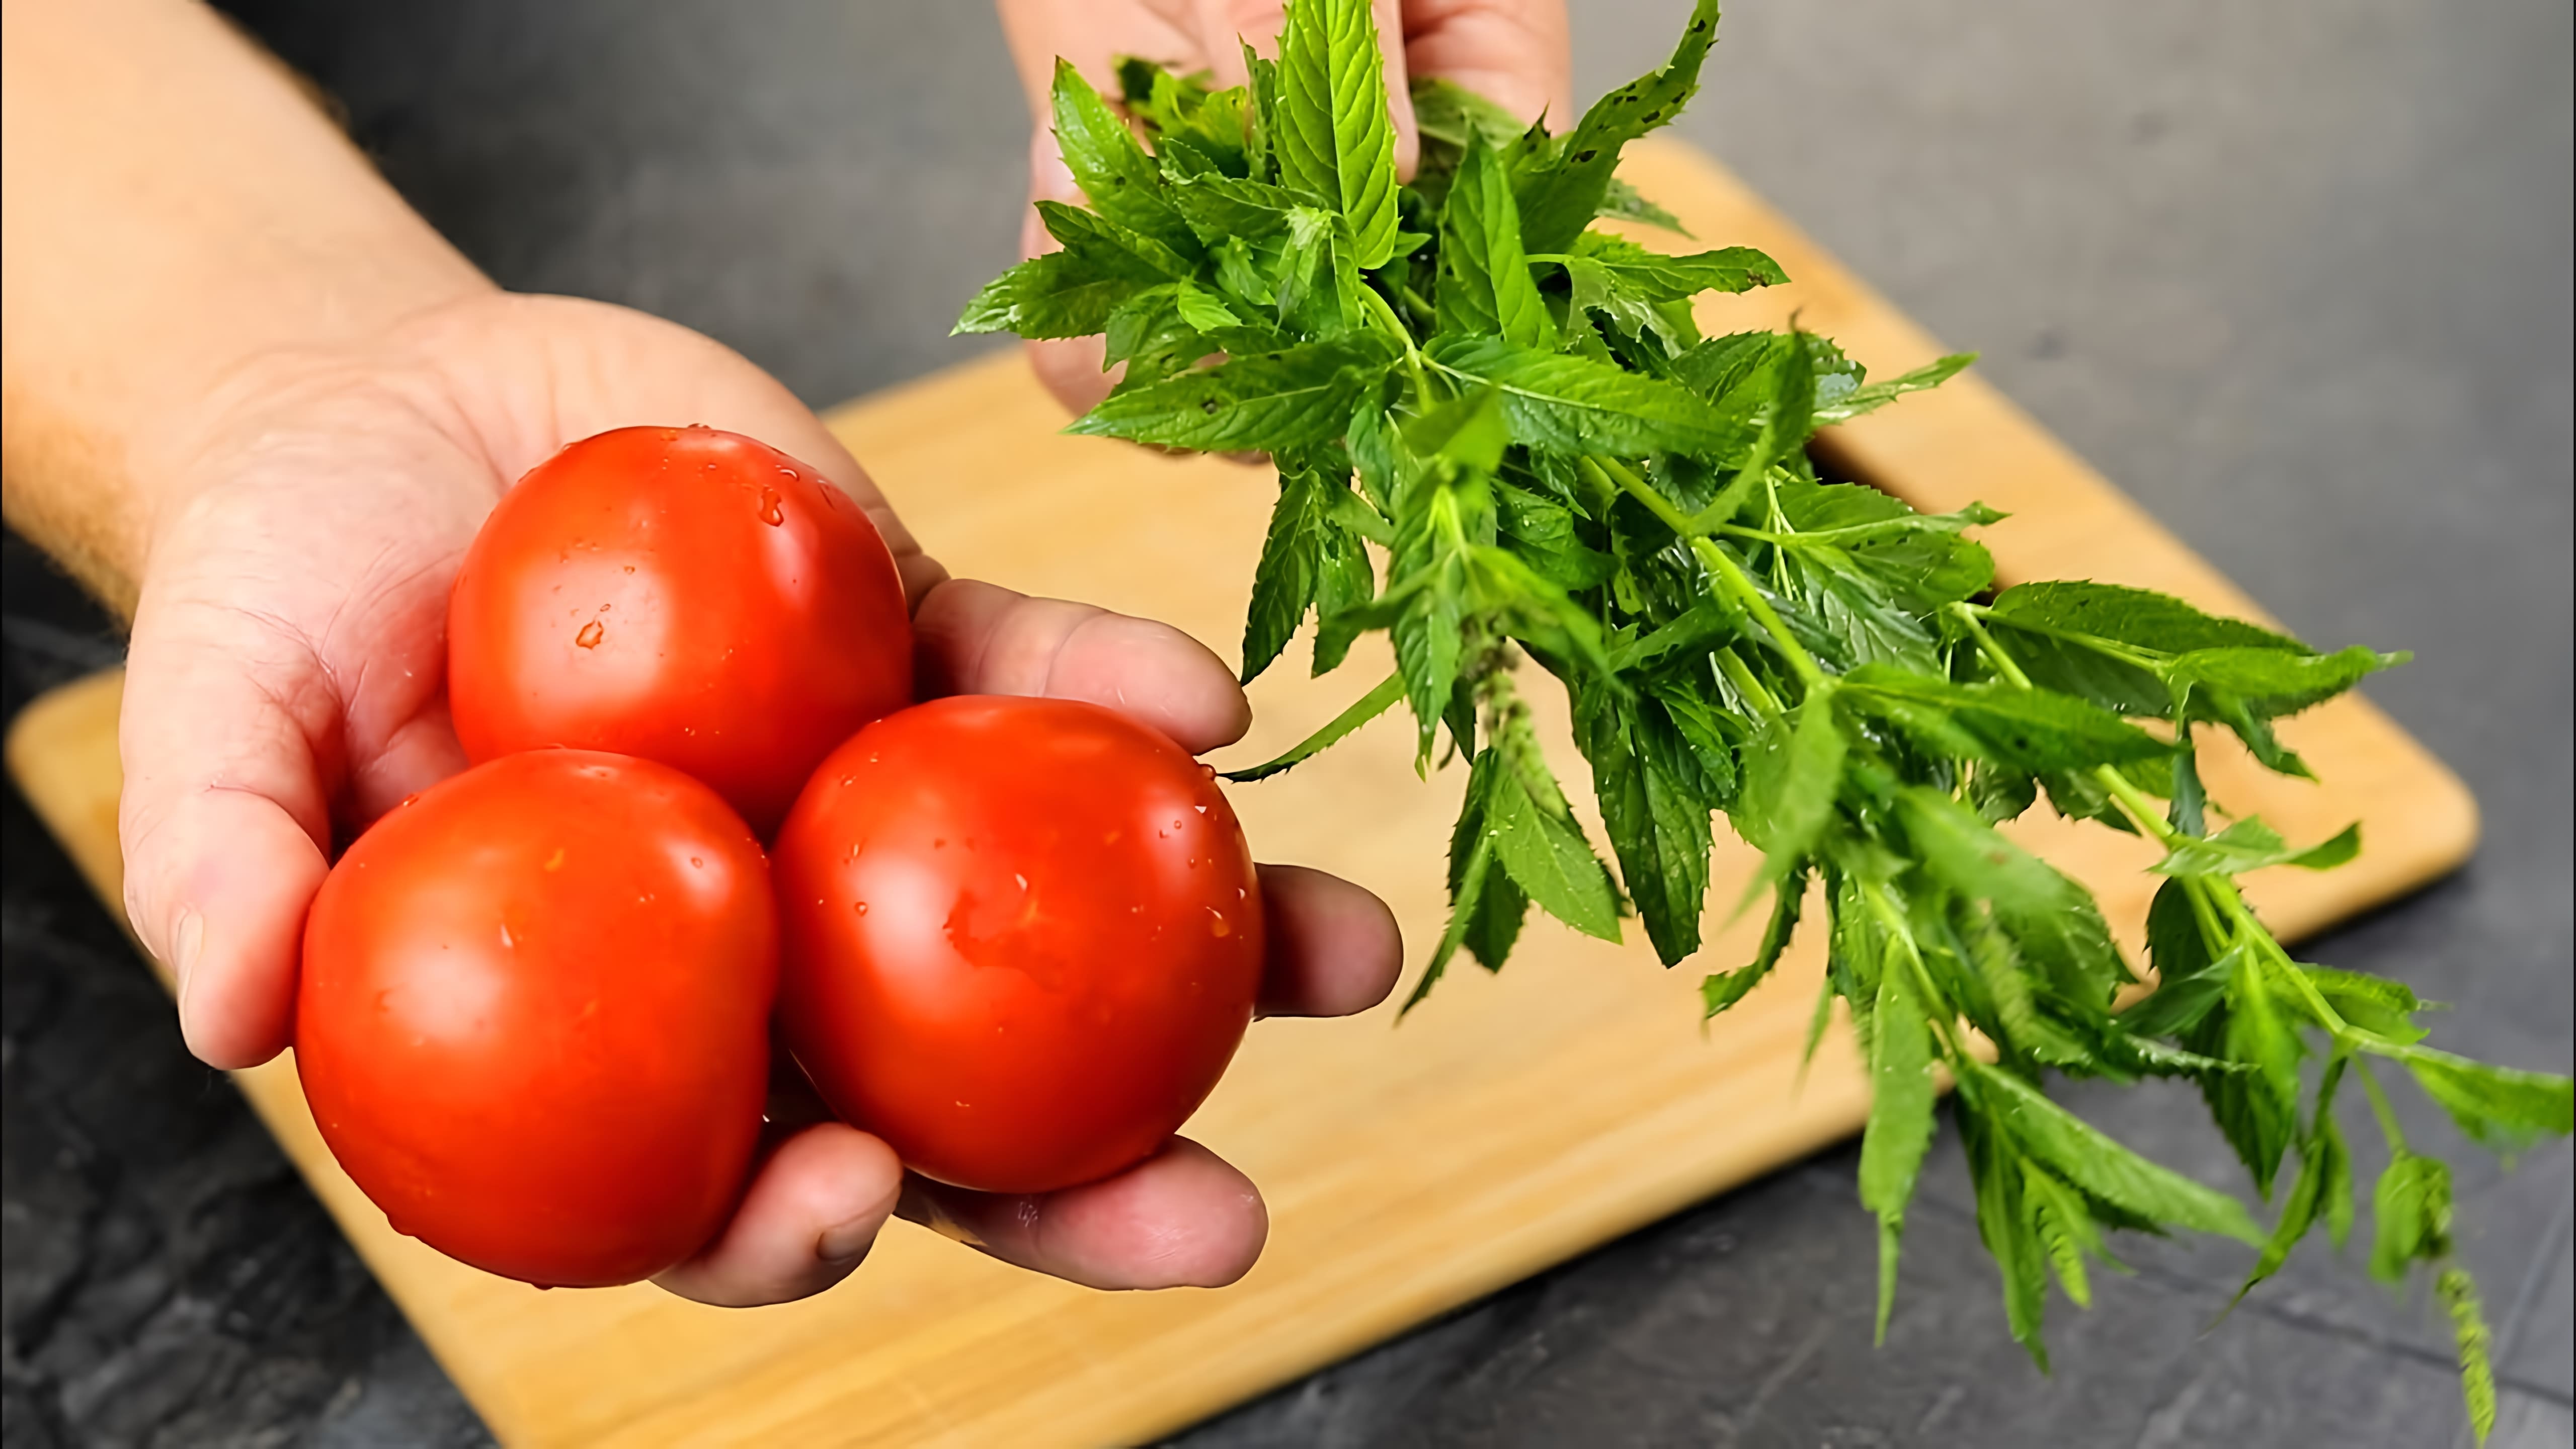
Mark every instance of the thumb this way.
pixel 224 819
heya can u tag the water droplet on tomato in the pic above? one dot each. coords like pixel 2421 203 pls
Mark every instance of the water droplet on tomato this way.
pixel 590 635
pixel 507 943
pixel 555 861
pixel 696 864
pixel 861 907
pixel 770 512
pixel 1023 880
pixel 1110 839
pixel 1218 926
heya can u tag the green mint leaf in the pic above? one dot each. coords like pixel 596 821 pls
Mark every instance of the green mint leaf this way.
pixel 1060 294
pixel 1541 848
pixel 2325 1168
pixel 1785 426
pixel 1367 707
pixel 2093 1161
pixel 2250 844
pixel 1466 431
pixel 1217 207
pixel 2272 683
pixel 2257 1111
pixel 1560 199
pixel 1319 284
pixel 1543 533
pixel 2413 1207
pixel 1656 277
pixel 2028 730
pixel 1485 285
pixel 1869 398
pixel 1447 114
pixel 2500 1107
pixel 1337 142
pixel 1265 402
pixel 2375 1004
pixel 1471 875
pixel 1185 115
pixel 1995 1170
pixel 1309 559
pixel 2064 1226
pixel 2472 1341
pixel 1724 989
pixel 1123 184
pixel 1657 820
pixel 2052 920
pixel 2141 618
pixel 1578 405
pixel 1999 794
pixel 1490 921
pixel 1900 1117
pixel 1793 771
pixel 2189 982
pixel 1203 309
pixel 1110 247
pixel 1263 155
pixel 1622 202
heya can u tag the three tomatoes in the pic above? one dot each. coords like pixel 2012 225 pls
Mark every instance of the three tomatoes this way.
pixel 1017 938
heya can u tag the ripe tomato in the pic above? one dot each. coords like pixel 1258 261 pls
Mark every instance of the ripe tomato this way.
pixel 1021 938
pixel 684 595
pixel 534 1015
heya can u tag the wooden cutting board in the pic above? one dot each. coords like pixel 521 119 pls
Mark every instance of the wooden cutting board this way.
pixel 1514 1122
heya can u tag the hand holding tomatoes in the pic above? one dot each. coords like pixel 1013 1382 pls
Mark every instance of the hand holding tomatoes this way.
pixel 286 687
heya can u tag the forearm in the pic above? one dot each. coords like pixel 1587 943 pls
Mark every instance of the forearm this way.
pixel 176 210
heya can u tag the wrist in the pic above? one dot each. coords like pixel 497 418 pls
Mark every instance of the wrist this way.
pixel 181 222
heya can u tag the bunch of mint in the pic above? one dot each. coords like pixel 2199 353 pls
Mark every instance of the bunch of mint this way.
pixel 1519 416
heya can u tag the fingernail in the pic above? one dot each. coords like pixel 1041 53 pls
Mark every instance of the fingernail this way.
pixel 926 1209
pixel 187 942
pixel 848 1242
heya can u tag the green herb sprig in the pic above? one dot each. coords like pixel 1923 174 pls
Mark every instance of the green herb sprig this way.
pixel 1517 414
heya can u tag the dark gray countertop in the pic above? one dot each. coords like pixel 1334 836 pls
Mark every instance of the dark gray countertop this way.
pixel 2296 275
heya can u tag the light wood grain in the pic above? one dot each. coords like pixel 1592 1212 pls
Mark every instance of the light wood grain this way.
pixel 1514 1122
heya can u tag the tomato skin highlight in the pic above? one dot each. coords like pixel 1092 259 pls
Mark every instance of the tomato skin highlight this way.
pixel 533 1020
pixel 683 595
pixel 1021 938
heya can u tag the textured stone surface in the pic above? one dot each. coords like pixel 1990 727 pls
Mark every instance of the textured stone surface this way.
pixel 2297 276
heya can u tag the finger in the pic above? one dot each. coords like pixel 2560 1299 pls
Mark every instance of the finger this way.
pixel 224 818
pixel 1399 86
pixel 1072 368
pixel 976 638
pixel 1514 53
pixel 1182 1218
pixel 812 1211
pixel 1334 949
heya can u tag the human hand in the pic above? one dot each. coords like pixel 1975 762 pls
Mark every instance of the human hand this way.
pixel 1512 52
pixel 285 686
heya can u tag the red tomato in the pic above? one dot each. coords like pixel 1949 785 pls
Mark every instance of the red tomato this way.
pixel 1022 938
pixel 534 1015
pixel 683 595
